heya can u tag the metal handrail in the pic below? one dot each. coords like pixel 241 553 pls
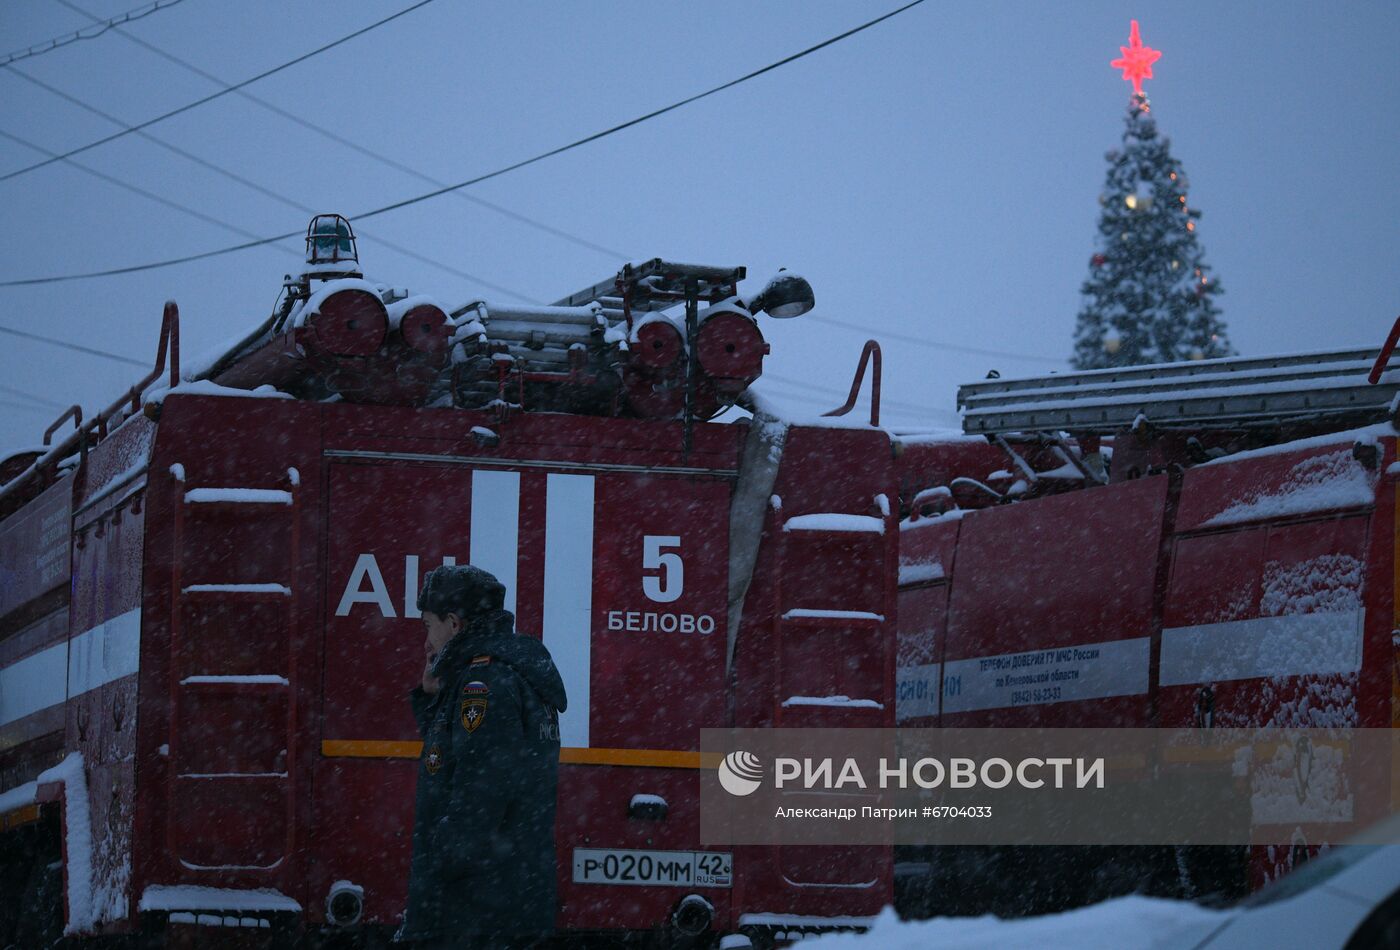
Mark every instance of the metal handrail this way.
pixel 74 412
pixel 1383 359
pixel 78 438
pixel 872 348
pixel 169 340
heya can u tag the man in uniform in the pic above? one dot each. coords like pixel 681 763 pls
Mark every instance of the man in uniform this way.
pixel 483 868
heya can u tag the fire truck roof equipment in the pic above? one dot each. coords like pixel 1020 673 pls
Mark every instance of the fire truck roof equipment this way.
pixel 330 247
pixel 785 296
pixel 657 285
pixel 728 351
pixel 1223 392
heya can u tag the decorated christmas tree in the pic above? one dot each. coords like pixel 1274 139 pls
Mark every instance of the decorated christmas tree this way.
pixel 1149 298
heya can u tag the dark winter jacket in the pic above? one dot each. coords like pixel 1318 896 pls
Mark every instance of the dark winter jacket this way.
pixel 483 833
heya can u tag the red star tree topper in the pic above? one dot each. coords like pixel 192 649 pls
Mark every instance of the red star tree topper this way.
pixel 1136 61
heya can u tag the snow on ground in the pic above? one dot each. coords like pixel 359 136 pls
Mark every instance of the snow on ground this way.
pixel 1125 923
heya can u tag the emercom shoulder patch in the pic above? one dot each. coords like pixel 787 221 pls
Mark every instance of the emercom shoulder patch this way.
pixel 474 705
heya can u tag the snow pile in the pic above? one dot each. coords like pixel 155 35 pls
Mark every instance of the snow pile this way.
pixel 840 702
pixel 466 330
pixel 656 316
pixel 1320 702
pixel 920 572
pixel 1318 483
pixel 111 869
pixel 282 589
pixel 117 481
pixel 1322 597
pixel 311 306
pixel 399 308
pixel 351 886
pixel 1302 783
pixel 1328 583
pixel 1125 923
pixel 616 335
pixel 858 418
pixel 18 797
pixel 82 910
pixel 949 437
pixel 953 514
pixel 204 387
pixel 195 365
pixel 1368 434
pixel 799 613
pixel 835 521
pixel 238 496
pixel 775 433
pixel 259 679
pixel 195 897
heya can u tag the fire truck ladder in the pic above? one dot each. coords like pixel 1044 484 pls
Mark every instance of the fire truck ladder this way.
pixel 817 628
pixel 1230 392
pixel 256 753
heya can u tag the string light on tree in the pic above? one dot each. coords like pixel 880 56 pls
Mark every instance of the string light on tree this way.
pixel 1149 296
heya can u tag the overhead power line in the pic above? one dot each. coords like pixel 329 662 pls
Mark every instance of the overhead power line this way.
pixel 358 147
pixel 409 170
pixel 87 32
pixel 577 143
pixel 159 142
pixel 65 344
pixel 127 186
pixel 222 92
pixel 416 173
pixel 218 222
pixel 903 417
pixel 933 344
pixel 29 406
pixel 232 176
pixel 26 394
pixel 458 272
pixel 840 397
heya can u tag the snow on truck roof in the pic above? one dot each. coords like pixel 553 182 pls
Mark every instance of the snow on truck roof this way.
pixel 1367 434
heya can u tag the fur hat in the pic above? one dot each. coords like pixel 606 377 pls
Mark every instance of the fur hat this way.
pixel 462 590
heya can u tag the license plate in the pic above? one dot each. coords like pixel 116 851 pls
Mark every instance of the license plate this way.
pixel 655 868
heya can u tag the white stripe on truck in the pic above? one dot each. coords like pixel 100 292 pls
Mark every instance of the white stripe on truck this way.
pixel 568 595
pixel 1052 675
pixel 1292 645
pixel 97 656
pixel 495 526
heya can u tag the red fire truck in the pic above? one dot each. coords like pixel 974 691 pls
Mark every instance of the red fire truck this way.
pixel 1234 566
pixel 209 627
pixel 207 623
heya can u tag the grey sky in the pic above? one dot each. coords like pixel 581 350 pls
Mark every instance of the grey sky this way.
pixel 934 177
